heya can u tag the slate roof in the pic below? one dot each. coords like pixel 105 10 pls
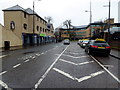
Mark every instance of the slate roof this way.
pixel 15 8
pixel 30 11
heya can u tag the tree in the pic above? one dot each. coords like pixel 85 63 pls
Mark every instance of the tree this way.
pixel 49 19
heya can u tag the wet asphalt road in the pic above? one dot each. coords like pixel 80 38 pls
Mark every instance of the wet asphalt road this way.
pixel 58 66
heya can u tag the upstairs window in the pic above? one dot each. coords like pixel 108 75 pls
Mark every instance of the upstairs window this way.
pixel 12 25
pixel 25 26
pixel 25 15
pixel 37 28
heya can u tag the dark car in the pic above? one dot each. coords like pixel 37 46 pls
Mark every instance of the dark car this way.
pixel 98 46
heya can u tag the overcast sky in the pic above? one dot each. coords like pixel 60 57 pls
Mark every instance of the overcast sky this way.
pixel 61 10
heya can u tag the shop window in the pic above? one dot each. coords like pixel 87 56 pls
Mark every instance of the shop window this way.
pixel 25 26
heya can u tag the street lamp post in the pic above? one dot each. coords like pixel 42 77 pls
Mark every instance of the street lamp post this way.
pixel 108 39
pixel 90 11
pixel 34 15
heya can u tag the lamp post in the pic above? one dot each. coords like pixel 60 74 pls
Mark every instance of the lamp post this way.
pixel 108 39
pixel 90 11
pixel 34 15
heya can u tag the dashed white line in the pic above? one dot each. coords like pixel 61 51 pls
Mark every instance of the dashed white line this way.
pixel 42 53
pixel 106 70
pixel 3 72
pixel 3 84
pixel 26 60
pixel 16 65
pixel 44 75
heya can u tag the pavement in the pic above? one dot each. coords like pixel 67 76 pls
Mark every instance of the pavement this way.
pixel 114 53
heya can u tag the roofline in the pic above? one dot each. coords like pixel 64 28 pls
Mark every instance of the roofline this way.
pixel 27 13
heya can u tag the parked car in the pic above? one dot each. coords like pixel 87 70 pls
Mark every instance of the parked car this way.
pixel 84 42
pixel 66 41
pixel 79 41
pixel 98 46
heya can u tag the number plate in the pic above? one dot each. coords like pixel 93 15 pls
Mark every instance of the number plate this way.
pixel 102 47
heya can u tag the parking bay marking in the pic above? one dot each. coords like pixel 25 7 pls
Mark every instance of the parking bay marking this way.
pixel 44 75
pixel 106 69
pixel 79 79
pixel 83 63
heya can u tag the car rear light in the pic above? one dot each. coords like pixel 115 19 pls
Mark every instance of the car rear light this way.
pixel 94 46
pixel 107 47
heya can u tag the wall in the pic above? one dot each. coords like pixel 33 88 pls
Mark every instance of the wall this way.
pixel 7 35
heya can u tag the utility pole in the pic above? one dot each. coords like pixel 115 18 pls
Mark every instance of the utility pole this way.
pixel 33 18
pixel 108 39
pixel 109 23
pixel 90 11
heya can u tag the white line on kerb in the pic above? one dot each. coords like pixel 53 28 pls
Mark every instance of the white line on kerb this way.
pixel 16 65
pixel 3 72
pixel 44 75
pixel 106 69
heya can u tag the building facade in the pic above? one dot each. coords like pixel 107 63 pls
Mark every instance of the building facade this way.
pixel 27 25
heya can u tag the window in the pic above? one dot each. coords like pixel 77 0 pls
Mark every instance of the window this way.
pixel 12 25
pixel 25 26
pixel 37 28
pixel 37 18
pixel 43 29
pixel 25 15
pixel 40 29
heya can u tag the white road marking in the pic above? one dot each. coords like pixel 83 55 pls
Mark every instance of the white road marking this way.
pixel 74 56
pixel 42 53
pixel 80 79
pixel 83 63
pixel 33 57
pixel 3 84
pixel 3 56
pixel 90 76
pixel 106 69
pixel 44 75
pixel 74 53
pixel 38 54
pixel 16 65
pixel 63 73
pixel 68 61
pixel 3 72
pixel 109 66
pixel 26 60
